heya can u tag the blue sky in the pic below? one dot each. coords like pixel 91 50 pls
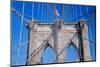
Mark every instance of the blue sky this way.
pixel 45 14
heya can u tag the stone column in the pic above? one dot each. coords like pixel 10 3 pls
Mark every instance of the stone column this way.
pixel 85 47
pixel 58 43
pixel 33 44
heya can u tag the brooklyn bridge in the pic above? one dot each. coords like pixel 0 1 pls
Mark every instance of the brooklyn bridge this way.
pixel 57 26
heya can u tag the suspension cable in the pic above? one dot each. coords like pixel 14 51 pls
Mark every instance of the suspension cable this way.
pixel 20 35
pixel 41 12
pixel 87 10
pixel 72 13
pixel 47 13
pixel 38 10
pixel 76 12
pixel 32 11
pixel 80 10
pixel 21 45
pixel 41 46
pixel 19 14
pixel 84 14
pixel 65 12
pixel 62 12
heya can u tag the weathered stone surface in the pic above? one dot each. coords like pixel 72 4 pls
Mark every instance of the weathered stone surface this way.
pixel 58 36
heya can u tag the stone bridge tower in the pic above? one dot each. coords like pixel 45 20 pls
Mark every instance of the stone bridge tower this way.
pixel 58 36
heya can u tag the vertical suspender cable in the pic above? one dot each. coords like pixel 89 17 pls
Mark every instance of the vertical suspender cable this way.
pixel 42 12
pixel 46 13
pixel 76 12
pixel 62 12
pixel 53 8
pixel 20 35
pixel 32 11
pixel 87 9
pixel 45 9
pixel 80 10
pixel 69 14
pixel 38 10
pixel 90 35
pixel 72 13
pixel 66 13
pixel 50 11
pixel 91 44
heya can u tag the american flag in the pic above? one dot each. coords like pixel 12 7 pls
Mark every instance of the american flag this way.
pixel 56 12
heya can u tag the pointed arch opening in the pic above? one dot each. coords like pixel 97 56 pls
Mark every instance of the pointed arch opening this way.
pixel 48 55
pixel 72 54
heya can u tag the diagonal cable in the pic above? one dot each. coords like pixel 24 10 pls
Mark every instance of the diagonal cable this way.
pixel 20 36
pixel 19 14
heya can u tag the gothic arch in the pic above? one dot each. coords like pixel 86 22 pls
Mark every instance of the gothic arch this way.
pixel 74 46
pixel 47 45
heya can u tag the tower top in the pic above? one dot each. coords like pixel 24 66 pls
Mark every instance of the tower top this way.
pixel 32 23
pixel 83 21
